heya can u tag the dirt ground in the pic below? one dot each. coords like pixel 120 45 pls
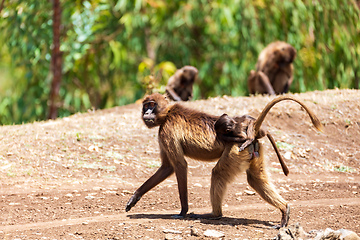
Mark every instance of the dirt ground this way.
pixel 71 178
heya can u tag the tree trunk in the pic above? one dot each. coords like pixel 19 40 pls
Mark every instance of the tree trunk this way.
pixel 56 62
pixel 2 5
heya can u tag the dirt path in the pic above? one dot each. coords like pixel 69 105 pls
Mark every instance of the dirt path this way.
pixel 71 178
pixel 159 215
pixel 327 200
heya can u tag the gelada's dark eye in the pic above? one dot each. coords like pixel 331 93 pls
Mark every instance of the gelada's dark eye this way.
pixel 149 105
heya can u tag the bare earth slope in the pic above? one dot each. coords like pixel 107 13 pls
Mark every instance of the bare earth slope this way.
pixel 71 178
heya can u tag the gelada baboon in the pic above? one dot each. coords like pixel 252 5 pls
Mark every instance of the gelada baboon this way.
pixel 180 85
pixel 274 69
pixel 186 132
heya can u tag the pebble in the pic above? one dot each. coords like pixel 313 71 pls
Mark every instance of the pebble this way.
pixel 171 231
pixel 248 192
pixel 194 232
pixel 213 233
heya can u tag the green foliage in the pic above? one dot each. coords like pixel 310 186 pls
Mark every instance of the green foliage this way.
pixel 154 78
pixel 116 50
pixel 27 35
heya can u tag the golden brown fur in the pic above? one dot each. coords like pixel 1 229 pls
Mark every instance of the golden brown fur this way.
pixel 240 129
pixel 186 132
pixel 180 85
pixel 234 129
pixel 274 69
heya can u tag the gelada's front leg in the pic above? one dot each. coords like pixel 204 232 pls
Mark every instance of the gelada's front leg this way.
pixel 161 174
pixel 181 177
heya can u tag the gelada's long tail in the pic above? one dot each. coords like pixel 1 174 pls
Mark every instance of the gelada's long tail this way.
pixel 264 112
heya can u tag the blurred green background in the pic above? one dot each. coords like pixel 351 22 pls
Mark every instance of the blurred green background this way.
pixel 110 48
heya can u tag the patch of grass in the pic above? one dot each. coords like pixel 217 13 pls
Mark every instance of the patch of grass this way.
pixel 284 145
pixel 11 174
pixel 29 172
pixel 343 169
pixel 78 137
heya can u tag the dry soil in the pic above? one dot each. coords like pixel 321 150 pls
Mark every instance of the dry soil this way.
pixel 71 178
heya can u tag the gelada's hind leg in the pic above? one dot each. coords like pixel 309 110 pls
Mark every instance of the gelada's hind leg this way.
pixel 258 179
pixel 231 163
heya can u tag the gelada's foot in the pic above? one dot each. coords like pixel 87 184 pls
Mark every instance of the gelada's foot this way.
pixel 285 218
pixel 133 200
